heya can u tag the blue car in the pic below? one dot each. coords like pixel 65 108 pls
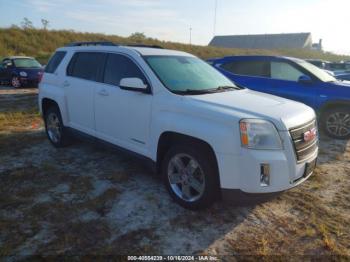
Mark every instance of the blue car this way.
pixel 20 71
pixel 295 79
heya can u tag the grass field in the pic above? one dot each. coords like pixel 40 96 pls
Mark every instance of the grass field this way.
pixel 41 43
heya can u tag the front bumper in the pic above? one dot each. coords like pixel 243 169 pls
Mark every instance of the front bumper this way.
pixel 243 171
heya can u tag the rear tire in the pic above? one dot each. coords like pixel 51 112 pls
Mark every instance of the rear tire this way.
pixel 336 122
pixel 190 176
pixel 55 130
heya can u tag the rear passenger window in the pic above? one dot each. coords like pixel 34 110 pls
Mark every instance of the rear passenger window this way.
pixel 118 67
pixel 248 68
pixel 54 62
pixel 87 65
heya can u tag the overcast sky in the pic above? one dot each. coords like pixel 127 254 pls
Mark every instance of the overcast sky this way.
pixel 171 19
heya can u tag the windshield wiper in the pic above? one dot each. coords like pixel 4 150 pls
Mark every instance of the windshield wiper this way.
pixel 206 91
pixel 193 91
pixel 223 88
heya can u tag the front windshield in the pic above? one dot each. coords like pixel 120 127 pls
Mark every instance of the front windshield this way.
pixel 183 73
pixel 319 73
pixel 26 63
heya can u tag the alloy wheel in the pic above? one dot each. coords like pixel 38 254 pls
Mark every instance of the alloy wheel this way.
pixel 338 124
pixel 186 177
pixel 15 82
pixel 53 127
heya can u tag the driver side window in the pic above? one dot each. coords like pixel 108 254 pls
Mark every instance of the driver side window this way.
pixel 119 67
pixel 285 71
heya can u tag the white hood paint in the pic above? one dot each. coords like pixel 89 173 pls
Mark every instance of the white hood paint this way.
pixel 284 113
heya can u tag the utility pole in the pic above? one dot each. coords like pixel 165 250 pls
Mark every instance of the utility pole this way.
pixel 215 10
pixel 190 35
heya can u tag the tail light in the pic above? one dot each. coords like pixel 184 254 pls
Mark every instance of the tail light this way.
pixel 40 74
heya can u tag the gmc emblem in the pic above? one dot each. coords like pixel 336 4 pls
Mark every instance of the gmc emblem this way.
pixel 310 135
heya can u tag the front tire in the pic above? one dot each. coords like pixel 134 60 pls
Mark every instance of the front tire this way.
pixel 55 130
pixel 15 82
pixel 336 122
pixel 190 175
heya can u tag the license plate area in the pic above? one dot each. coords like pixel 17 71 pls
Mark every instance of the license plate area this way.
pixel 310 167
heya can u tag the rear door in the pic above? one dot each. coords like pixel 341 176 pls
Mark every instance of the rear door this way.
pixel 123 116
pixel 252 73
pixel 83 74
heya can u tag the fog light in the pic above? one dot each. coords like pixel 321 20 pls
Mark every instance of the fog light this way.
pixel 264 174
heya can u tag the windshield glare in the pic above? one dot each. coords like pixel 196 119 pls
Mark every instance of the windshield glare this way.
pixel 26 63
pixel 182 73
pixel 319 73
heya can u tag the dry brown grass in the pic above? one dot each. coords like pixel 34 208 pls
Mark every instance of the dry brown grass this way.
pixel 138 242
pixel 19 121
pixel 41 44
pixel 312 226
pixel 43 206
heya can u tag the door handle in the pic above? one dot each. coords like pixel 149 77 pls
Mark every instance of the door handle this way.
pixel 103 92
pixel 66 84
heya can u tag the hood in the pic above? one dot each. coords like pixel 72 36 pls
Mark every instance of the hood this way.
pixel 341 84
pixel 284 113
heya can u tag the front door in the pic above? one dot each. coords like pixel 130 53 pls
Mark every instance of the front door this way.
pixel 122 117
pixel 5 70
pixel 285 79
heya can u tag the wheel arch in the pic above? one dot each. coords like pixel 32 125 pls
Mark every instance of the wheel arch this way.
pixel 333 104
pixel 169 138
pixel 46 103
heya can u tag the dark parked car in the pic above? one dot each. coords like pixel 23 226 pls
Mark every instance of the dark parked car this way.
pixel 319 63
pixel 20 71
pixel 338 67
pixel 295 79
pixel 343 77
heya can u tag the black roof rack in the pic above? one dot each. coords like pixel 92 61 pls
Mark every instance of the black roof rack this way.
pixel 106 43
pixel 141 45
pixel 98 43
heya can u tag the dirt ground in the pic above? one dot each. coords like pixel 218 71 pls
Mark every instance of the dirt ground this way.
pixel 85 200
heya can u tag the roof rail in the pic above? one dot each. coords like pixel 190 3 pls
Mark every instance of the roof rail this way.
pixel 141 45
pixel 98 43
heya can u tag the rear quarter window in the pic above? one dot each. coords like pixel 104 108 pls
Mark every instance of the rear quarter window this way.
pixel 54 62
pixel 87 65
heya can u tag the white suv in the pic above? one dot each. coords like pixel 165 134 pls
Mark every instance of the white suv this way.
pixel 206 136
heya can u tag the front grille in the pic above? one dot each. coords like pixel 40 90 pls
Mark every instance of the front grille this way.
pixel 304 149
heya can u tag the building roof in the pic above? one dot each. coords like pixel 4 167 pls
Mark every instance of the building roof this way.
pixel 267 41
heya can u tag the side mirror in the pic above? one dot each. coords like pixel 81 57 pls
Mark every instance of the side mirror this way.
pixel 8 64
pixel 304 79
pixel 133 84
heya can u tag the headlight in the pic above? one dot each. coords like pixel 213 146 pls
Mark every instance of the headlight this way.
pixel 24 74
pixel 259 134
